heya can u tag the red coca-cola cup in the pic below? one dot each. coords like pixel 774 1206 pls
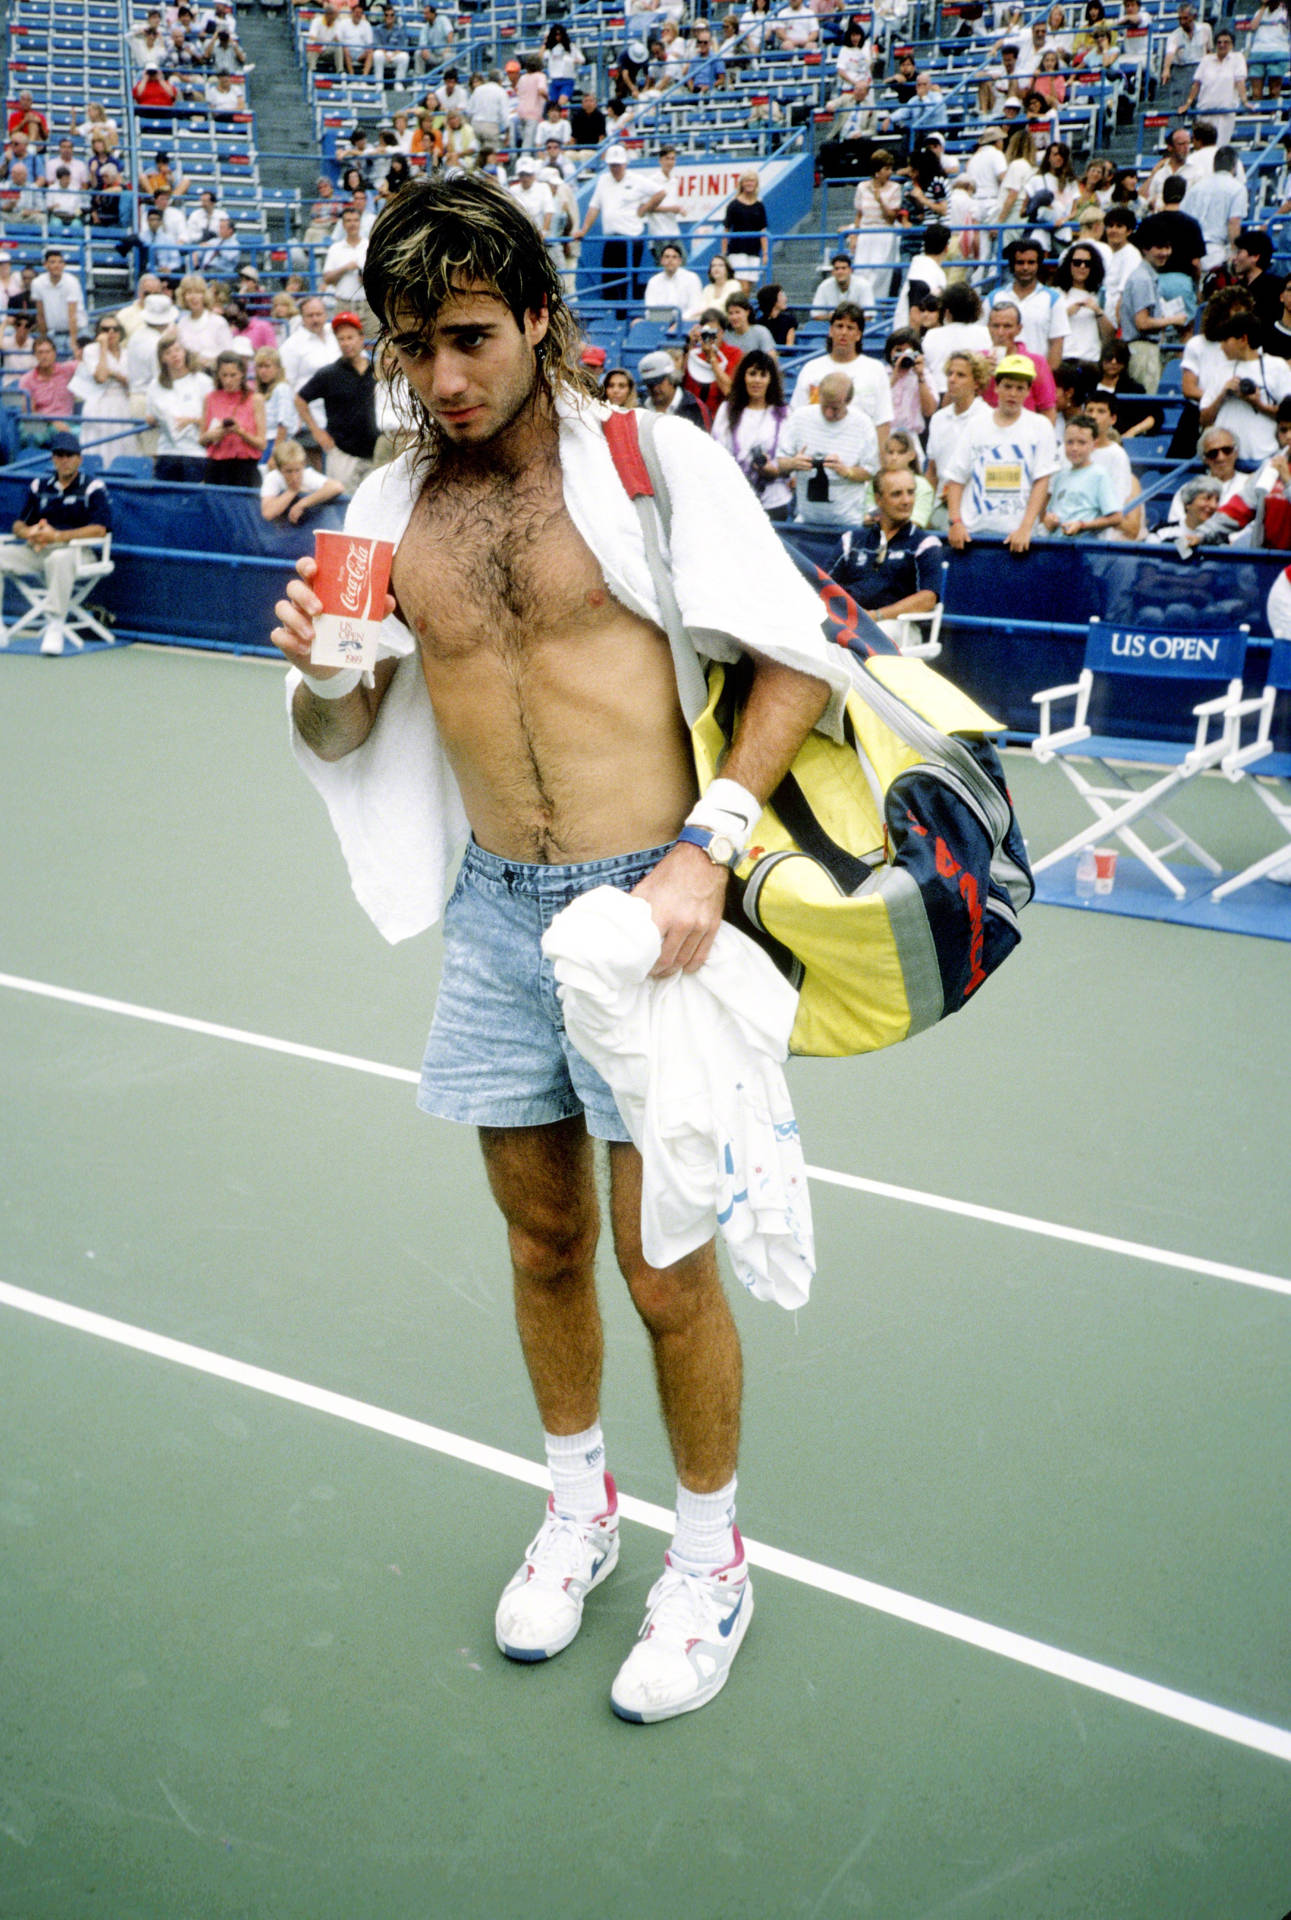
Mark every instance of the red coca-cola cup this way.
pixel 352 579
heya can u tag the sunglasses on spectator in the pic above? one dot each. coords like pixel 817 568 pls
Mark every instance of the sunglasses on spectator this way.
pixel 1213 453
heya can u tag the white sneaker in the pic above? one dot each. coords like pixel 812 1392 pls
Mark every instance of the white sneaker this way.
pixel 693 1628
pixel 55 638
pixel 541 1608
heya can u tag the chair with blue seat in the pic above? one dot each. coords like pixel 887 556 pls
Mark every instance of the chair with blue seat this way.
pixel 1263 768
pixel 1114 658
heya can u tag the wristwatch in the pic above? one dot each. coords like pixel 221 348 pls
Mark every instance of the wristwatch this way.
pixel 719 847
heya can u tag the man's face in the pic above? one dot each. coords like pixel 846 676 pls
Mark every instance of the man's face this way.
pixel 46 359
pixel 350 342
pixel 313 316
pixel 474 368
pixel 843 273
pixel 1220 457
pixel 670 259
pixel 738 318
pixel 894 492
pixel 833 403
pixel 1180 142
pixel 1013 392
pixel 844 339
pixel 54 266
pixel 1026 266
pixel 1009 58
pixel 350 222
pixel 960 385
pixel 661 392
pixel 1244 262
pixel 1157 256
pixel 1005 325
pixel 1101 414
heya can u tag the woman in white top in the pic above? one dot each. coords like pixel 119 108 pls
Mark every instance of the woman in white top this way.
pixel 1021 177
pixel 96 121
pixel 175 400
pixel 1080 280
pixel 1057 177
pixel 203 332
pixel 750 424
pixel 855 56
pixel 877 247
pixel 1268 51
pixel 280 417
pixel 755 27
pixel 561 61
pixel 1219 86
pixel 722 283
pixel 102 385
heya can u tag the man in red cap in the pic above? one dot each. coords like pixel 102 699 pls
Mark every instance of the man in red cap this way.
pixel 348 391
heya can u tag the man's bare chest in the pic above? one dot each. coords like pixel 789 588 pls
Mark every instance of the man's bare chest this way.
pixel 495 571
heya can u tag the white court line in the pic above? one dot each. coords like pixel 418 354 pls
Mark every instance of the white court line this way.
pixel 1259 1736
pixel 880 1189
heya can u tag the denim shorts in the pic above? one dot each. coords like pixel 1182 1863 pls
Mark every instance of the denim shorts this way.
pixel 498 1054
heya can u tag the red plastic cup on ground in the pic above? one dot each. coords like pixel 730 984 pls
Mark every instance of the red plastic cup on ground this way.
pixel 1104 869
pixel 352 579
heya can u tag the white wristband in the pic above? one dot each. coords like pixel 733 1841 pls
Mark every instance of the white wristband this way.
pixel 336 687
pixel 726 807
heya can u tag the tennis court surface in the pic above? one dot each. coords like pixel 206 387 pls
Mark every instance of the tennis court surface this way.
pixel 1015 1483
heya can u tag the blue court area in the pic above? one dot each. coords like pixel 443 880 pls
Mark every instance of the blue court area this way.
pixel 1014 1483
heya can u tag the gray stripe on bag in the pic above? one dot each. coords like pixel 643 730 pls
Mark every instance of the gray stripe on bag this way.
pixel 916 948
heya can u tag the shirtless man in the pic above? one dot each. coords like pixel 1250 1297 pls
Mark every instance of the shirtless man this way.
pixel 555 707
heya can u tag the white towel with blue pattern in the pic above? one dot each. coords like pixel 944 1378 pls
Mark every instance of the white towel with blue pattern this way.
pixel 695 1065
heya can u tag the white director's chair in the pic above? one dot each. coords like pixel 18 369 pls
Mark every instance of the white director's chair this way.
pixel 93 563
pixel 1268 773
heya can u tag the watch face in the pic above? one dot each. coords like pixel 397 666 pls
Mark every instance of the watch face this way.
pixel 721 849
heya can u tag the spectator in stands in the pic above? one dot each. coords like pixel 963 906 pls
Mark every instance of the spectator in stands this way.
pixel 342 274
pixel 347 388
pixel 675 285
pixel 391 52
pixel 722 283
pixel 533 194
pixel 222 52
pixel 1048 80
pixel 620 201
pixel 1000 83
pixel 105 200
pixel 871 388
pixel 17 347
pixel 101 384
pixel 60 301
pixel 434 37
pixel 20 202
pixel 1193 524
pixel 1219 86
pixel 305 351
pixel 776 315
pixel 48 386
pixel 291 488
pixel 1268 51
pixel 836 287
pixel 618 388
pixel 1237 496
pixel 149 45
pixel 879 215
pixel 892 567
pixel 158 315
pixel 903 454
pixel 913 400
pixel 490 110
pixel 355 39
pixel 280 417
pixel 1079 279
pixel 745 222
pixel 233 426
pixel 1144 316
pixel 1187 44
pixel 451 94
pixel 322 49
pixel 1134 413
pixel 831 449
pixel 1044 316
pixel 175 406
pixel 26 117
pixel 249 332
pixel 705 70
pixel 657 375
pixel 1119 225
pixel 225 94
pixel 1173 163
pixel 710 362
pixel 1273 490
pixel 154 91
pixel 997 479
pixel 203 332
pixel 63 206
pixel 926 272
pixel 1111 456
pixel 1083 498
pixel 855 59
pixel 750 424
pixel 1249 269
pixel 1219 203
pixel 461 148
pixel 530 99
pixel 562 62
pixel 796 27
pixel 966 377
pixel 587 124
pixel 742 331
pixel 60 507
pixel 1005 329
pixel 1245 395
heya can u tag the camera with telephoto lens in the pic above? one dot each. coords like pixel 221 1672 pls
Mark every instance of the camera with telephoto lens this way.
pixel 904 360
pixel 708 335
pixel 759 476
pixel 1247 389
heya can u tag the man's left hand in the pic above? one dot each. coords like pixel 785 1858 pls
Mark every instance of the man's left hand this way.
pixel 686 893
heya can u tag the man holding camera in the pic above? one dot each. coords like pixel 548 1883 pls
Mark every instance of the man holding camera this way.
pixel 657 375
pixel 832 449
pixel 1244 397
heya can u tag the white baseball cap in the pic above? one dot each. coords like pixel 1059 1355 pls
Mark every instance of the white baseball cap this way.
pixel 616 156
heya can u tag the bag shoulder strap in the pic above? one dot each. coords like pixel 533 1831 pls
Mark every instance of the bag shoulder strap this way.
pixel 630 438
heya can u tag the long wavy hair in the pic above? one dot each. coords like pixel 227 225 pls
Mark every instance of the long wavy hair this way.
pixel 448 232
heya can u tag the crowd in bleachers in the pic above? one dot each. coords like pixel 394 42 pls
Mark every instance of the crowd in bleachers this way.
pixel 1004 273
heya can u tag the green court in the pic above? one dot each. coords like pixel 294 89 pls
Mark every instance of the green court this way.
pixel 1015 1484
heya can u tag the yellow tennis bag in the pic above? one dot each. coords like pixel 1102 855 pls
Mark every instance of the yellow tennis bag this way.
pixel 887 871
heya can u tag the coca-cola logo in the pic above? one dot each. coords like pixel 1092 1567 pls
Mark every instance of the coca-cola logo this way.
pixel 356 579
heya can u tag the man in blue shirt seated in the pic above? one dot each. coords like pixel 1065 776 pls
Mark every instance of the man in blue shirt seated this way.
pixel 891 567
pixel 60 507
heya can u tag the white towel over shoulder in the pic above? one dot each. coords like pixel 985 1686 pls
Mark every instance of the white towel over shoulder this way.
pixel 694 1061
